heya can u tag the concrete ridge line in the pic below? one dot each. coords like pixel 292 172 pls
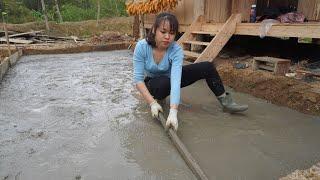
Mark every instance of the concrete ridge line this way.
pixel 191 162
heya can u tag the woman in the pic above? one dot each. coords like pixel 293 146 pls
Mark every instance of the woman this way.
pixel 160 58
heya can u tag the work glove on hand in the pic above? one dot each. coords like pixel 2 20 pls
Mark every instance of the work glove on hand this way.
pixel 172 120
pixel 155 108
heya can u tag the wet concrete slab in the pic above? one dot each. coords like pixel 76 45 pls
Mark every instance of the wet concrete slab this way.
pixel 77 116
pixel 266 142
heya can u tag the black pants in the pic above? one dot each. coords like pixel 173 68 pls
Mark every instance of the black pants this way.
pixel 159 87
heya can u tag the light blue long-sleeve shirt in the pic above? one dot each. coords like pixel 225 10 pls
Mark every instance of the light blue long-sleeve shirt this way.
pixel 170 65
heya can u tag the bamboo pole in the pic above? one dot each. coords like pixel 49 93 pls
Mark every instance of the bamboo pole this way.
pixel 191 162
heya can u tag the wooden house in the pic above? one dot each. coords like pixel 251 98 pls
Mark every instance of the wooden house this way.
pixel 223 18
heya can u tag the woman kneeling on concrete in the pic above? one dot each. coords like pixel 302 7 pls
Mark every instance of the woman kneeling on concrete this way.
pixel 160 58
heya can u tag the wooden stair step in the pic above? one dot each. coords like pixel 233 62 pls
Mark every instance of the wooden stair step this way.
pixel 203 32
pixel 197 43
pixel 191 54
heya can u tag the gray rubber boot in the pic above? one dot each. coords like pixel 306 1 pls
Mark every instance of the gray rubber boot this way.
pixel 230 106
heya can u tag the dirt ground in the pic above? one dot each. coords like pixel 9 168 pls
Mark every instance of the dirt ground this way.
pixel 311 173
pixel 279 90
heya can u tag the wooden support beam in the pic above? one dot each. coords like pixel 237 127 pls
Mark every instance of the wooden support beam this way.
pixel 311 30
pixel 191 162
pixel 220 40
pixel 191 54
pixel 205 32
pixel 201 43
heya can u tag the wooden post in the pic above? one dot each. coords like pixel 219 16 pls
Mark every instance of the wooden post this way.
pixel 58 11
pixel 98 13
pixel 7 38
pixel 135 28
pixel 141 26
pixel 198 10
pixel 6 32
pixel 45 14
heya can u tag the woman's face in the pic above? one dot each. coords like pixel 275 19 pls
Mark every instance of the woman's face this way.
pixel 164 37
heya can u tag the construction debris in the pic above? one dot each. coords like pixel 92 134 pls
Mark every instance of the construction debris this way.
pixel 34 37
pixel 276 65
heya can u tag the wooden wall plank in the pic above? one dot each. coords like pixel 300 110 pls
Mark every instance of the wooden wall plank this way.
pixel 310 8
pixel 243 7
pixel 218 10
pixel 183 12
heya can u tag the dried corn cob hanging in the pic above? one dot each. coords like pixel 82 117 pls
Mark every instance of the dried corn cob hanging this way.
pixel 135 7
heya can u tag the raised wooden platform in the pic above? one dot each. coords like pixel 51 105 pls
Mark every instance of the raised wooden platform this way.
pixel 310 30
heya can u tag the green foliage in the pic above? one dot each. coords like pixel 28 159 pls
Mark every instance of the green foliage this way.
pixel 71 12
pixel 36 15
pixel 20 11
pixel 14 10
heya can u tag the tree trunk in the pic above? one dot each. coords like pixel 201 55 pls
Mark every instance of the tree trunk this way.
pixel 58 11
pixel 45 14
pixel 98 13
pixel 117 10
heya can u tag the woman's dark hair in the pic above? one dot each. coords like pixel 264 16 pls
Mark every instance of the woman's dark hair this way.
pixel 174 26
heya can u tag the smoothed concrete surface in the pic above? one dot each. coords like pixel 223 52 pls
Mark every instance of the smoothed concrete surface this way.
pixel 76 115
pixel 266 142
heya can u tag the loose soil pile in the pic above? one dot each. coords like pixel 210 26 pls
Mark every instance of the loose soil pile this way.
pixel 280 90
pixel 312 173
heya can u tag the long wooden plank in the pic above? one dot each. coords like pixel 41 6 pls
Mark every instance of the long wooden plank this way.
pixel 311 30
pixel 32 33
pixel 191 54
pixel 205 32
pixel 18 41
pixel 197 43
pixel 220 40
pixel 186 155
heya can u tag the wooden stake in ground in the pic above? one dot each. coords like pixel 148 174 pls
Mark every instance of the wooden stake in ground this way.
pixel 6 32
pixel 191 162
pixel 45 15
pixel 58 11
pixel 141 26
pixel 98 13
